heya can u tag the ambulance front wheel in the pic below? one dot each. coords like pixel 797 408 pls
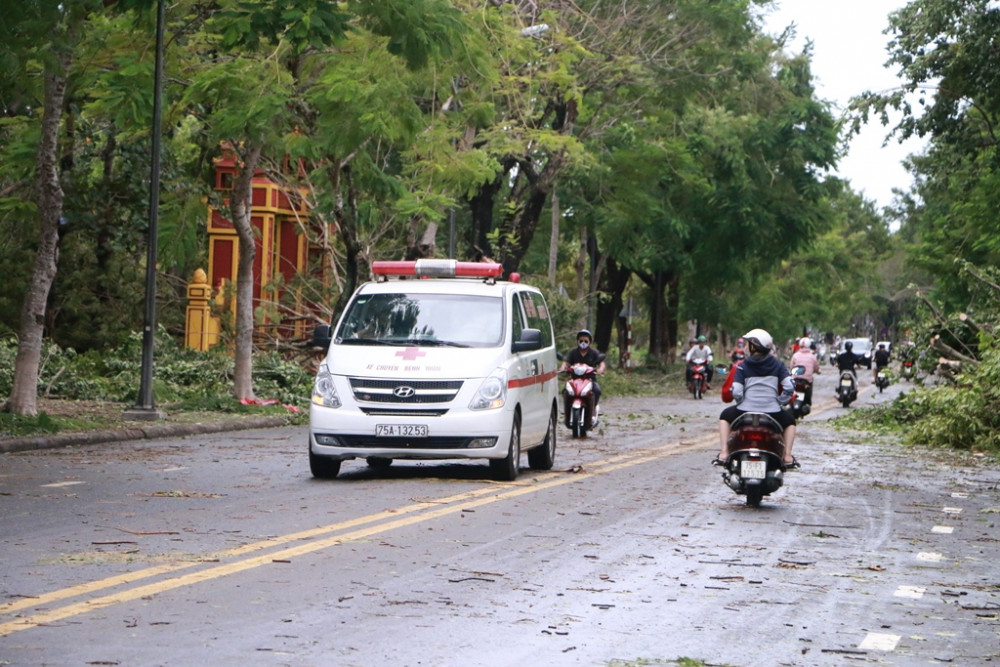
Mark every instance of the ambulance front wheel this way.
pixel 543 456
pixel 323 467
pixel 506 469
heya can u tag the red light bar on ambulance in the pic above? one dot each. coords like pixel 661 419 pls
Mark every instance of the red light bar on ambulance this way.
pixel 438 268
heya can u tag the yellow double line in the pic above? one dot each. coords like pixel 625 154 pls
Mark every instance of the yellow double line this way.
pixel 248 557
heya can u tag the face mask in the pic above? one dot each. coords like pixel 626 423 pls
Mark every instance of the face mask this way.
pixel 584 344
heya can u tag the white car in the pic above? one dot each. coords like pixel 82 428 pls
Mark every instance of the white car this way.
pixel 457 365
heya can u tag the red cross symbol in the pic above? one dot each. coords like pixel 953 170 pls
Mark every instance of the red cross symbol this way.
pixel 410 353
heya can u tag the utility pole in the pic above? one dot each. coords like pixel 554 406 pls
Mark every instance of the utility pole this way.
pixel 145 408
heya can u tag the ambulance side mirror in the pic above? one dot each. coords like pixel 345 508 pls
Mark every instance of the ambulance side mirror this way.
pixel 531 339
pixel 322 335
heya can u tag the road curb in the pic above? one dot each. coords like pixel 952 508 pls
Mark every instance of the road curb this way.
pixel 149 432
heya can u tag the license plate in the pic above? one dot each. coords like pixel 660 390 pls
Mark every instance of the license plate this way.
pixel 400 431
pixel 845 383
pixel 753 469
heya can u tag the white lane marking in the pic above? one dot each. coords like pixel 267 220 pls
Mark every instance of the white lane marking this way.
pixel 58 484
pixel 959 494
pixel 952 510
pixel 944 530
pixel 876 641
pixel 174 469
pixel 912 592
pixel 929 556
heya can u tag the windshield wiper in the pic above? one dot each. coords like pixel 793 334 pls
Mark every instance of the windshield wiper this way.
pixel 366 341
pixel 432 343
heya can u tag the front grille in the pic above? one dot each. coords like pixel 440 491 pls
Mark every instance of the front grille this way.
pixel 404 412
pixel 362 441
pixel 405 391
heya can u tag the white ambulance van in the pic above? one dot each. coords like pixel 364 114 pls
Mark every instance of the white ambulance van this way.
pixel 437 359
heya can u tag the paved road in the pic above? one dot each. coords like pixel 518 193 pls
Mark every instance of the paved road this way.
pixel 220 548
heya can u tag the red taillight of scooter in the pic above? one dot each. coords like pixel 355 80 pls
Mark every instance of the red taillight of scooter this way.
pixel 760 438
pixel 755 434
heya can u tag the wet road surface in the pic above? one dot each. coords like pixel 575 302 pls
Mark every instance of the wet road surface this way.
pixel 223 549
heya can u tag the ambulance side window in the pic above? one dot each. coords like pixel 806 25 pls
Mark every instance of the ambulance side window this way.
pixel 536 315
pixel 517 320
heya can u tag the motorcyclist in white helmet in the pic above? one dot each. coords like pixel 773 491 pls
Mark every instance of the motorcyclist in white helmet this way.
pixel 761 383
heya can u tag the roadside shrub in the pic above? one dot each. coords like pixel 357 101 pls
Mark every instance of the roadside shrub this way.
pixel 179 373
pixel 961 416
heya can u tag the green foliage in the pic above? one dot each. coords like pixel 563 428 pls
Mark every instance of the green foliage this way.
pixel 965 416
pixel 945 51
pixel 180 374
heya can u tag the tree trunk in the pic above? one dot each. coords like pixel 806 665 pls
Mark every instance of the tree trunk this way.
pixel 673 314
pixel 554 239
pixel 481 206
pixel 346 214
pixel 613 282
pixel 240 209
pixel 24 392
pixel 580 264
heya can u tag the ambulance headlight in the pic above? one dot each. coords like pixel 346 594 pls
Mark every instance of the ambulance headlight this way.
pixel 324 391
pixel 492 393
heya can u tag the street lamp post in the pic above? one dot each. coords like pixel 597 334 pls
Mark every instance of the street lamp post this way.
pixel 145 408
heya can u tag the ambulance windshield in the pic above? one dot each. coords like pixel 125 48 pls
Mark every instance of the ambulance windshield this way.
pixel 451 320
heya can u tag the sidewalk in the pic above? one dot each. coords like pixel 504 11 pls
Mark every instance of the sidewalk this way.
pixel 141 431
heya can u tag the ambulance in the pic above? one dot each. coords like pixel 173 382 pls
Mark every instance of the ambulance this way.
pixel 437 359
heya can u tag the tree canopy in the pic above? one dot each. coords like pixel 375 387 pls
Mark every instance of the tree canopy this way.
pixel 678 148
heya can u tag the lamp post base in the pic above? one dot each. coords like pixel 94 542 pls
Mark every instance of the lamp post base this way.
pixel 141 414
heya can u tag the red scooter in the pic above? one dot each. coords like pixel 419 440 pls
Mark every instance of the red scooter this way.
pixel 698 384
pixel 756 457
pixel 579 401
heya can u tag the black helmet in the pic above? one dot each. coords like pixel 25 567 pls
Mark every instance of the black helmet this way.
pixel 848 346
pixel 583 332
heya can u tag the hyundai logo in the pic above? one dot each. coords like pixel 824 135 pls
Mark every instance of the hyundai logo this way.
pixel 403 392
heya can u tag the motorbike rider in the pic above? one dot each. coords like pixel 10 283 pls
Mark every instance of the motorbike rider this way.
pixel 881 359
pixel 761 383
pixel 583 353
pixel 806 357
pixel 701 353
pixel 739 352
pixel 846 361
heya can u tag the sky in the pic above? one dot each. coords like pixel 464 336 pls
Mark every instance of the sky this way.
pixel 849 52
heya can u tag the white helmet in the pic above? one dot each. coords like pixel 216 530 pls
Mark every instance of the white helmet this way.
pixel 805 342
pixel 759 338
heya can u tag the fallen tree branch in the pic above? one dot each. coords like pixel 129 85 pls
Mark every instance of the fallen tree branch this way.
pixel 948 352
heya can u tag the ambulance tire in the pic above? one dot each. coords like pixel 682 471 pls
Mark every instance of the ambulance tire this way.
pixel 506 469
pixel 323 467
pixel 543 456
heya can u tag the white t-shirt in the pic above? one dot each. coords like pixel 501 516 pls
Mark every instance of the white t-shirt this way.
pixel 699 353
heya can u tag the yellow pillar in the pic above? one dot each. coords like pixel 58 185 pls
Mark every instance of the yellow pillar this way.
pixel 201 330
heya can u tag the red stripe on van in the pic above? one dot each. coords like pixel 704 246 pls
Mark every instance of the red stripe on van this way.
pixel 528 381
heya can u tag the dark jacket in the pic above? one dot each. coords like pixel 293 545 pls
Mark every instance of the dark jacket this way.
pixel 575 356
pixel 846 360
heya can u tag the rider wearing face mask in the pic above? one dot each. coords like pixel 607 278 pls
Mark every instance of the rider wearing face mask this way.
pixel 584 353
